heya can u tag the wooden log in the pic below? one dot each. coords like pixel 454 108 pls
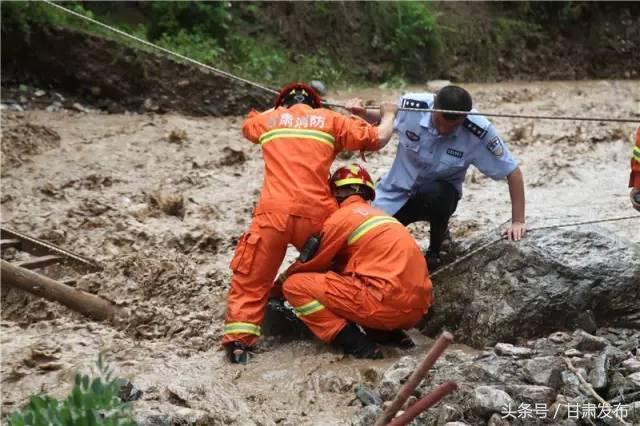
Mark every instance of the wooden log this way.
pixel 75 299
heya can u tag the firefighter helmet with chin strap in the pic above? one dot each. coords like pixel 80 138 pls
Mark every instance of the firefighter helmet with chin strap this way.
pixel 356 178
pixel 298 93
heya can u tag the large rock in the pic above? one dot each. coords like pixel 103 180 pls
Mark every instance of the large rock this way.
pixel 532 393
pixel 598 375
pixel 541 284
pixel 487 400
pixel 632 365
pixel 395 376
pixel 544 371
pixel 367 416
pixel 507 349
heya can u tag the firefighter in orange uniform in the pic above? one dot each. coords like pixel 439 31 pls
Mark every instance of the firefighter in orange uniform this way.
pixel 368 270
pixel 299 141
pixel 634 179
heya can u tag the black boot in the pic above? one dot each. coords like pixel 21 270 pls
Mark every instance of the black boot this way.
pixel 238 352
pixel 397 338
pixel 433 260
pixel 354 342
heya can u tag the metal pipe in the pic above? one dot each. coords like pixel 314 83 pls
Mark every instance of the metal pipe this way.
pixel 424 403
pixel 416 377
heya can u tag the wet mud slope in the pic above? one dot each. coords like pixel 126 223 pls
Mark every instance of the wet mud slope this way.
pixel 115 78
pixel 161 200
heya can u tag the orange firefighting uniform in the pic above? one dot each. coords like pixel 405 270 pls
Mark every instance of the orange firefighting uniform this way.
pixel 634 179
pixel 299 145
pixel 379 278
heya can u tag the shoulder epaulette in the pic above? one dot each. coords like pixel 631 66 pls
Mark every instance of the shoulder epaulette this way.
pixel 474 128
pixel 413 103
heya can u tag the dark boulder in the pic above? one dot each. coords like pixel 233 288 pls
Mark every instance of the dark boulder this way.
pixel 541 284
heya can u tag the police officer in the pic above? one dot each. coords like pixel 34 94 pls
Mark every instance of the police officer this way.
pixel 434 153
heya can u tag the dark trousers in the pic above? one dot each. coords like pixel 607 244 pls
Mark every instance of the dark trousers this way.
pixel 435 205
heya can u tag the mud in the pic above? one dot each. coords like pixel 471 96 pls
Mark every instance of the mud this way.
pixel 93 194
pixel 21 140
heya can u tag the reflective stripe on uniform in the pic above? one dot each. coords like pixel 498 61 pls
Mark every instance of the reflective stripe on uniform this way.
pixel 353 181
pixel 242 328
pixel 368 225
pixel 309 308
pixel 636 154
pixel 315 135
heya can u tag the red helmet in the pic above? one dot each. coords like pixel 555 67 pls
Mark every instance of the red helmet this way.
pixel 298 93
pixel 354 174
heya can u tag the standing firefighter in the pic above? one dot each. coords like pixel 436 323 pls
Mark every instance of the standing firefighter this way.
pixel 368 271
pixel 299 140
pixel 634 179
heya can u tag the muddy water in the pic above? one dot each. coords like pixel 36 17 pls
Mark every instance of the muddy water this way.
pixel 93 193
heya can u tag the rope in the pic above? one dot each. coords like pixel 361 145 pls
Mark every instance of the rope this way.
pixel 495 114
pixel 614 219
pixel 492 242
pixel 272 91
pixel 155 46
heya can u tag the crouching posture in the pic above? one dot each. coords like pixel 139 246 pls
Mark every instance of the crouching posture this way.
pixel 368 270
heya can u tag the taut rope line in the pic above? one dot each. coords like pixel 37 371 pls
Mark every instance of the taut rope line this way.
pixel 492 242
pixel 155 46
pixel 496 114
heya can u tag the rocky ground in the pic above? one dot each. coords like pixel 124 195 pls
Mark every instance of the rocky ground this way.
pixel 161 199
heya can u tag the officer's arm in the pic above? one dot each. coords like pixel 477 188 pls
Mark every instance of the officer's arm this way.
pixel 516 191
pixel 385 128
pixel 495 160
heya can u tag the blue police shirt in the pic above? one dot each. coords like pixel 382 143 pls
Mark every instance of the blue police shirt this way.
pixel 424 156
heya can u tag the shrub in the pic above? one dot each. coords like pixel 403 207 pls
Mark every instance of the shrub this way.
pixel 211 19
pixel 93 401
pixel 408 34
pixel 193 45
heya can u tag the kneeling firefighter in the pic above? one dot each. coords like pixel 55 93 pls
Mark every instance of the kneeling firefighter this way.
pixel 368 271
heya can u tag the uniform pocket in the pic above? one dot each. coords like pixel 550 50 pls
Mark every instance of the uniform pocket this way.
pixel 411 147
pixel 245 253
pixel 449 161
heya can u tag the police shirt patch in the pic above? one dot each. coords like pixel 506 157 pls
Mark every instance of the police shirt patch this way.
pixel 412 136
pixel 454 152
pixel 495 146
pixel 412 103
pixel 474 128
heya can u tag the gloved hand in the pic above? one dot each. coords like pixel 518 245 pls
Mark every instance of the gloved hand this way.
pixel 237 352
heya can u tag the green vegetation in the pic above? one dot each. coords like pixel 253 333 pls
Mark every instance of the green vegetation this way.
pixel 214 33
pixel 389 42
pixel 93 401
pixel 408 33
